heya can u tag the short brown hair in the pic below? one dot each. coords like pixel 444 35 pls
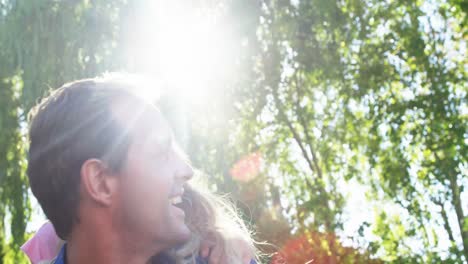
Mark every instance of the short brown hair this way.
pixel 73 124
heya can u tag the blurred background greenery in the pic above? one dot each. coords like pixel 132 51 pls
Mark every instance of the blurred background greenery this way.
pixel 338 127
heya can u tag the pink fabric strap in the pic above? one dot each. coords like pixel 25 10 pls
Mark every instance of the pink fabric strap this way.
pixel 44 245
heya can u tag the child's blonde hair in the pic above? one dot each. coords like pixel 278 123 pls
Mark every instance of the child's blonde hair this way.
pixel 212 217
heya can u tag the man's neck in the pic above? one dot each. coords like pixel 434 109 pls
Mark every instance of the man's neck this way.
pixel 100 244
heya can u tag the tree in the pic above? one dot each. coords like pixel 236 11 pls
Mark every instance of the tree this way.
pixel 367 90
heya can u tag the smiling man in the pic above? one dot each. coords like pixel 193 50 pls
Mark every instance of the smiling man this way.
pixel 104 167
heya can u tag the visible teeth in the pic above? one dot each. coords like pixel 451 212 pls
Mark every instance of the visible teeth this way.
pixel 176 200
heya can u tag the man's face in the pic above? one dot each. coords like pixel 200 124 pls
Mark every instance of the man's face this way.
pixel 152 181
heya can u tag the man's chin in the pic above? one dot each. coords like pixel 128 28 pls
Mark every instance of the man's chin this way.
pixel 178 236
pixel 184 234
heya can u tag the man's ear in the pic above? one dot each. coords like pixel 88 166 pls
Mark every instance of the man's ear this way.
pixel 97 181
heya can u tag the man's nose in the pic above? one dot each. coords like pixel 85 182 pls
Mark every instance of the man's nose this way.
pixel 185 171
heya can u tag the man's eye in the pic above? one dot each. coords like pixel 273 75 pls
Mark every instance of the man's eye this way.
pixel 164 153
pixel 155 153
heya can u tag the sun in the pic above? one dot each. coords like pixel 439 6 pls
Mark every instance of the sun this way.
pixel 182 46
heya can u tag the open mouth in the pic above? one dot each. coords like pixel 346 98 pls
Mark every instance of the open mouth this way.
pixel 176 201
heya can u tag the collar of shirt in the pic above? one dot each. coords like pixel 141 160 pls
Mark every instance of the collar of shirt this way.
pixel 61 257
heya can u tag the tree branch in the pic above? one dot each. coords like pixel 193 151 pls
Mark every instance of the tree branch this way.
pixel 455 190
pixel 456 201
pixel 296 136
pixel 446 221
pixel 305 127
pixel 298 140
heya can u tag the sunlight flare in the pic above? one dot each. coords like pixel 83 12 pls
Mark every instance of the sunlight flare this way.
pixel 183 46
